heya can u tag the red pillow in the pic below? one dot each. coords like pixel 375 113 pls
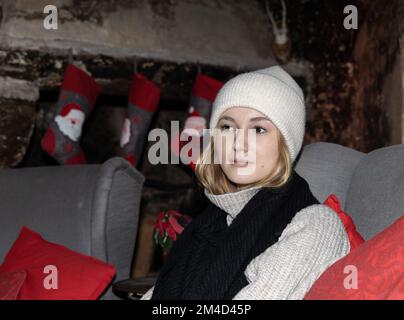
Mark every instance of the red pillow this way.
pixel 377 267
pixel 54 271
pixel 355 239
pixel 10 284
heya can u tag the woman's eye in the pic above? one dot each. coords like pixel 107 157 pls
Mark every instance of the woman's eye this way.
pixel 263 130
pixel 225 127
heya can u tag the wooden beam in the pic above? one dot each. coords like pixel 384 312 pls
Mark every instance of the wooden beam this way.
pixel 46 69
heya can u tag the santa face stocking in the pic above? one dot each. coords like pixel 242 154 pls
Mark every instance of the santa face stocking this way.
pixel 203 94
pixel 78 94
pixel 143 101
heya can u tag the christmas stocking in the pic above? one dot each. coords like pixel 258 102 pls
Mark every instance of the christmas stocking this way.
pixel 78 94
pixel 203 94
pixel 142 103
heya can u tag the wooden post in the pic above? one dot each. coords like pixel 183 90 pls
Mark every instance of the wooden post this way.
pixel 145 247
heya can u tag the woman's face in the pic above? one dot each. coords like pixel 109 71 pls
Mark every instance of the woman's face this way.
pixel 247 141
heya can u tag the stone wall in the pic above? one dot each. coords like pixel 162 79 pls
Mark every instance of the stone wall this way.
pixel 225 37
pixel 376 107
pixel 17 119
pixel 169 39
pixel 222 33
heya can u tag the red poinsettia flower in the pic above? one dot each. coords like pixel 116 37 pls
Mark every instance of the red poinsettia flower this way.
pixel 159 223
pixel 171 233
pixel 175 225
pixel 169 224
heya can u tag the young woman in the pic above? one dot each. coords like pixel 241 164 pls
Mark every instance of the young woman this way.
pixel 264 235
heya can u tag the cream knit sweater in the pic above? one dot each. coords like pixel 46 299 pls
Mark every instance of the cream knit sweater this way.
pixel 311 242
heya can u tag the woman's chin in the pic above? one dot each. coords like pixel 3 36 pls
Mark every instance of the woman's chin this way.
pixel 241 179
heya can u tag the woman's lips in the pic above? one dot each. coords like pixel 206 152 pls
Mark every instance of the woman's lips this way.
pixel 240 163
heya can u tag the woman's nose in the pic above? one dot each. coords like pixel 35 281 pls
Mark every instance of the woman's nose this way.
pixel 240 140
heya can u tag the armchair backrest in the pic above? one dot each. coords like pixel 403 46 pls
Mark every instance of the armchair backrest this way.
pixel 369 186
pixel 92 209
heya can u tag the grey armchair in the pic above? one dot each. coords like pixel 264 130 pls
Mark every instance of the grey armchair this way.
pixel 370 186
pixel 92 209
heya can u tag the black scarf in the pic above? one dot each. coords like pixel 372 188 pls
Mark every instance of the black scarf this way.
pixel 208 259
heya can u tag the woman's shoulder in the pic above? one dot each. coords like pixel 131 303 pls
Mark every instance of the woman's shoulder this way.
pixel 314 228
pixel 315 219
pixel 317 213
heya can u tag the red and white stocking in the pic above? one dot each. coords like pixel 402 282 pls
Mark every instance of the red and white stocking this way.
pixel 143 101
pixel 78 94
pixel 203 94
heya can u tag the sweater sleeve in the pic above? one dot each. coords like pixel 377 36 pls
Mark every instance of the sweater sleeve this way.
pixel 312 241
pixel 148 294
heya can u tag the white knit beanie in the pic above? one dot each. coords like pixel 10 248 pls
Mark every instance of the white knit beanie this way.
pixel 273 92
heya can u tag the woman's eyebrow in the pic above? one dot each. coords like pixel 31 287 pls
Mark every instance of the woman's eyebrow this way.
pixel 259 118
pixel 227 118
pixel 252 119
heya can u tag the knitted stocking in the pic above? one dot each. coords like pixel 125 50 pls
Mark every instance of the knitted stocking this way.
pixel 78 94
pixel 203 94
pixel 142 103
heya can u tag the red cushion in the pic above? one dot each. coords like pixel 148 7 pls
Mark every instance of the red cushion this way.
pixel 10 284
pixel 355 239
pixel 78 276
pixel 379 265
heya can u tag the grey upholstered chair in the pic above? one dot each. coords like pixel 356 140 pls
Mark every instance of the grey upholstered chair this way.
pixel 92 209
pixel 370 186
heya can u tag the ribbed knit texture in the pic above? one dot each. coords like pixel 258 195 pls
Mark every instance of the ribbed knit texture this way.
pixel 311 242
pixel 233 202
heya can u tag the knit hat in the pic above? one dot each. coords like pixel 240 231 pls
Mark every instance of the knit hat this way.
pixel 273 92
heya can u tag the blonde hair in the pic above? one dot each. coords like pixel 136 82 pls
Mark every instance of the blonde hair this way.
pixel 213 179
